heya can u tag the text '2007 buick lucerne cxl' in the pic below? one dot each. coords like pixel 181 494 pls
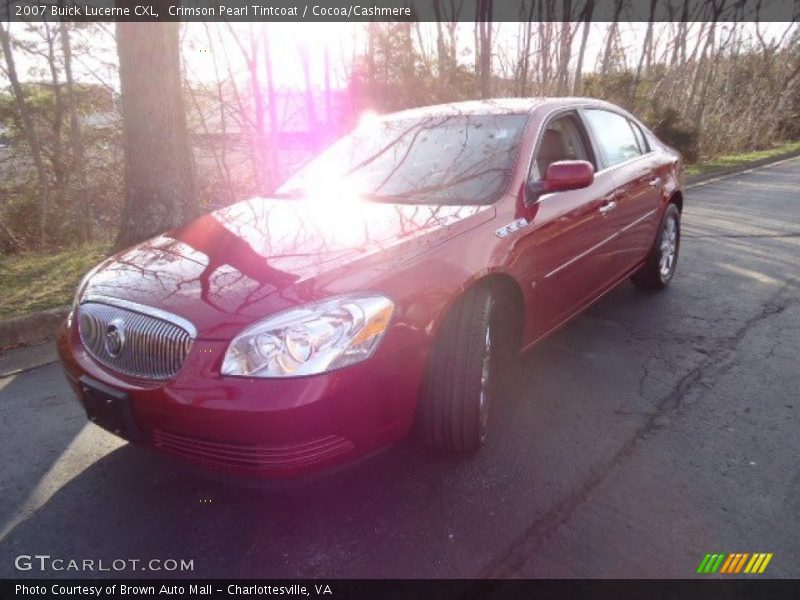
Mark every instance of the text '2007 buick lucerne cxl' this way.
pixel 379 290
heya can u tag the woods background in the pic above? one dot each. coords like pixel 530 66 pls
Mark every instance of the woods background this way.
pixel 73 120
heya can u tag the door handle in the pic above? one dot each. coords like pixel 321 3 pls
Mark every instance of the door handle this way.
pixel 607 207
pixel 654 182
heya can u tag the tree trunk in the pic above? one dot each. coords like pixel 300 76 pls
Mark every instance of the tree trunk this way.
pixel 58 162
pixel 644 58
pixel 524 61
pixel 566 35
pixel 372 32
pixel 679 40
pixel 698 67
pixel 159 170
pixel 272 112
pixel 545 59
pixel 312 121
pixel 441 50
pixel 84 209
pixel 259 135
pixel 483 29
pixel 612 33
pixel 587 23
pixel 222 105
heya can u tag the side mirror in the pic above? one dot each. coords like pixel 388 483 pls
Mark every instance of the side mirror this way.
pixel 561 176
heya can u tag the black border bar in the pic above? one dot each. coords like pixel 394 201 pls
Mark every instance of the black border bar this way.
pixel 402 589
pixel 400 10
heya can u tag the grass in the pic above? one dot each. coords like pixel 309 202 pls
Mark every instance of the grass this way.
pixel 36 281
pixel 732 160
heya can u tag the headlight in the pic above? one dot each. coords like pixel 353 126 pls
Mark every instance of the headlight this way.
pixel 310 339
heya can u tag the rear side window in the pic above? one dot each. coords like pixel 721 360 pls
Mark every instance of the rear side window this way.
pixel 615 136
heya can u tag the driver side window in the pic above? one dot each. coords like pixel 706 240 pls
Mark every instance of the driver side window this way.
pixel 562 140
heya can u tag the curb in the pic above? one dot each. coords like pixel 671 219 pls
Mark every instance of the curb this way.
pixel 710 176
pixel 34 328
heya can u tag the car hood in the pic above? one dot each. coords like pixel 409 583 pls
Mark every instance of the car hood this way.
pixel 246 261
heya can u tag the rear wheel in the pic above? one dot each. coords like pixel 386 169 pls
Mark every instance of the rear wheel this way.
pixel 659 268
pixel 459 381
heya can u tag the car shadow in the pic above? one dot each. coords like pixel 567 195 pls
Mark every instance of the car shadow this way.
pixel 32 445
pixel 135 503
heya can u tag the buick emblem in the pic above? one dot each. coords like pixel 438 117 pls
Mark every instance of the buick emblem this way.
pixel 115 337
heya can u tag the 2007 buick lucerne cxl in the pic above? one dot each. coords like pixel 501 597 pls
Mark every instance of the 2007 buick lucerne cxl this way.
pixel 380 289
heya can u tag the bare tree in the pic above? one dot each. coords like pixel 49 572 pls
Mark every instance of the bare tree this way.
pixel 483 47
pixel 30 132
pixel 565 36
pixel 586 14
pixel 645 58
pixel 56 156
pixel 78 159
pixel 272 108
pixel 613 30
pixel 523 66
pixel 308 93
pixel 447 15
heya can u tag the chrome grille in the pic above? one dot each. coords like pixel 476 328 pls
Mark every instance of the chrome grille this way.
pixel 131 340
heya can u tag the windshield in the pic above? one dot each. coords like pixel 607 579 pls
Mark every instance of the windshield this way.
pixel 453 159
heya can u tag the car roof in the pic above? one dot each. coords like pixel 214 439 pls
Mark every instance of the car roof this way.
pixel 494 106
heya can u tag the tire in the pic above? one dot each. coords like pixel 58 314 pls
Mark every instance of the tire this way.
pixel 659 267
pixel 459 380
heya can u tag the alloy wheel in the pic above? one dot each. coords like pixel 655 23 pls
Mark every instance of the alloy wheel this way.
pixel 486 384
pixel 669 248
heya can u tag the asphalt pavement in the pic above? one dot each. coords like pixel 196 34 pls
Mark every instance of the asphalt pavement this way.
pixel 653 429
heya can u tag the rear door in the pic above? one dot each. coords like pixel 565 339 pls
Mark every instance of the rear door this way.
pixel 625 154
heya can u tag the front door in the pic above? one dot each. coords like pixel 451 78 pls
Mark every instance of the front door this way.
pixel 567 231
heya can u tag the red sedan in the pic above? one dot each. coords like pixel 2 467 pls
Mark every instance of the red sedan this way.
pixel 382 288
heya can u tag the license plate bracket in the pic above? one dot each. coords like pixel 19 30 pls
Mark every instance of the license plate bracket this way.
pixel 108 408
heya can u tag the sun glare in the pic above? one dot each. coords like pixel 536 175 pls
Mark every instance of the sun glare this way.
pixel 369 121
pixel 287 41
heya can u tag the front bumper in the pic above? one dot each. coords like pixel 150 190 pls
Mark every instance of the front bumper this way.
pixel 273 428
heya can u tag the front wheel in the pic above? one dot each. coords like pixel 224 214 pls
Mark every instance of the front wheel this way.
pixel 659 267
pixel 459 381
